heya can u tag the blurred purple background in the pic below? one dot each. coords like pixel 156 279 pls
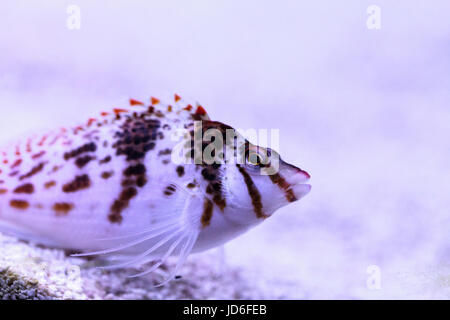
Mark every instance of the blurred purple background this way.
pixel 365 112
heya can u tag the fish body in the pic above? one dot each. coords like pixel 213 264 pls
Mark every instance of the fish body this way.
pixel 134 181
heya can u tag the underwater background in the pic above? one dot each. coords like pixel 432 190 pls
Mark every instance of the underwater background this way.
pixel 365 111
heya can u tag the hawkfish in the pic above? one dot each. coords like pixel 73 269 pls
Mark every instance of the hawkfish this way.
pixel 144 183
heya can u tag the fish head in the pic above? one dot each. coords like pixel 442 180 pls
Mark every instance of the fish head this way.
pixel 247 182
pixel 262 184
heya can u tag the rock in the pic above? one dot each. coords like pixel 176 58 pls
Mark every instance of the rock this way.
pixel 32 272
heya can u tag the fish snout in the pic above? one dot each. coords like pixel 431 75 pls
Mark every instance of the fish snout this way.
pixel 298 181
pixel 296 175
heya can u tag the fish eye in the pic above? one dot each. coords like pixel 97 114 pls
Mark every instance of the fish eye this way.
pixel 258 158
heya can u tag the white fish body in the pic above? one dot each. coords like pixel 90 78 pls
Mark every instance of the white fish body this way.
pixel 111 186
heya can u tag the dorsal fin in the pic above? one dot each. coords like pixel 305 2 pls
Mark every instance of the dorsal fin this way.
pixel 179 107
pixel 194 108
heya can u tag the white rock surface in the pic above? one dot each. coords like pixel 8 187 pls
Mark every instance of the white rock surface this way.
pixel 32 272
pixel 365 112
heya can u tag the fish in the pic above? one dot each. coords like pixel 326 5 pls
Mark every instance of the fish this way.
pixel 145 182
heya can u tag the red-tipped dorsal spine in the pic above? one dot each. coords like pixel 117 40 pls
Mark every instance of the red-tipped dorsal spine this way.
pixel 91 121
pixel 177 98
pixel 200 111
pixel 188 107
pixel 29 145
pixel 154 100
pixel 118 111
pixel 41 143
pixel 76 130
pixel 134 102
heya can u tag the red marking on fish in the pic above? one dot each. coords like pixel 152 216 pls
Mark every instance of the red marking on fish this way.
pixel 200 111
pixel 136 102
pixel 91 121
pixel 154 100
pixel 16 163
pixel 119 111
pixel 38 155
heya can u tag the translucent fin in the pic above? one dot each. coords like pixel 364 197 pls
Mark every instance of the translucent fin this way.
pixel 174 237
pixel 162 260
pixel 140 233
pixel 129 244
pixel 185 251
pixel 141 257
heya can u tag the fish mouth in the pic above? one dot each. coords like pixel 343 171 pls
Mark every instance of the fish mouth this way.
pixel 300 177
pixel 297 192
pixel 299 184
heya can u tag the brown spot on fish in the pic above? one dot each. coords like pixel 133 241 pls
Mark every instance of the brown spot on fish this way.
pixel 79 183
pixel 27 188
pixel 209 174
pixel 14 173
pixel 137 136
pixel 128 183
pixel 128 194
pixel 105 160
pixel 284 185
pixel 88 147
pixel 62 208
pixel 220 201
pixel 121 204
pixel 165 152
pixel 3 191
pixel 141 181
pixel 83 161
pixel 49 184
pixel 19 204
pixel 33 171
pixel 56 168
pixel 180 171
pixel 141 131
pixel 170 190
pixel 191 185
pixel 38 155
pixel 207 213
pixel 159 114
pixel 135 170
pixel 107 174
pixel 16 163
pixel 253 193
